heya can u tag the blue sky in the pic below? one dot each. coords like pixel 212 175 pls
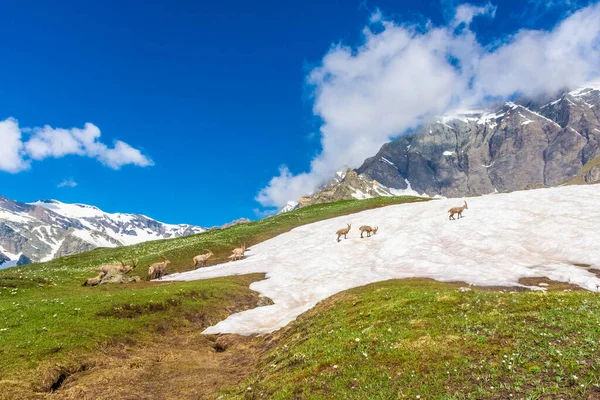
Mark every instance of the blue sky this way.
pixel 213 93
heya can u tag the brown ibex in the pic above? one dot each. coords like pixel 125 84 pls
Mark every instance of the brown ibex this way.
pixel 368 229
pixel 124 268
pixel 457 210
pixel 238 253
pixel 94 281
pixel 343 232
pixel 157 270
pixel 202 259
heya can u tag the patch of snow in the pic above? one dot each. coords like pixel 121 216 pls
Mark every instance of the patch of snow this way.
pixel 359 195
pixel 540 116
pixel 409 191
pixel 552 103
pixel 21 218
pixel 463 115
pixel 91 237
pixel 577 132
pixel 487 117
pixel 290 206
pixel 527 121
pixel 307 265
pixel 340 175
pixel 70 210
pixel 54 247
pixel 13 258
pixel 389 162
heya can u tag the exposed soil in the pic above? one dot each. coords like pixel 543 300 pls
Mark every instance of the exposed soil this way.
pixel 549 284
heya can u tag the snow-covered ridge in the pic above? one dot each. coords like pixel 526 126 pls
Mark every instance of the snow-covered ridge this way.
pixel 501 241
pixel 44 230
pixel 127 229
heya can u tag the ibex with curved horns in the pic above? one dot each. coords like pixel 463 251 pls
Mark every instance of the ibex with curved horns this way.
pixel 238 253
pixel 343 232
pixel 123 268
pixel 157 270
pixel 457 210
pixel 202 259
pixel 369 230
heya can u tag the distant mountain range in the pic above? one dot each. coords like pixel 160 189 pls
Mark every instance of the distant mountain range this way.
pixel 48 229
pixel 512 146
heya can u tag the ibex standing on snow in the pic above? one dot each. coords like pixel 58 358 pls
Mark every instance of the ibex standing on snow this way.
pixel 238 254
pixel 157 270
pixel 202 259
pixel 343 232
pixel 368 229
pixel 457 210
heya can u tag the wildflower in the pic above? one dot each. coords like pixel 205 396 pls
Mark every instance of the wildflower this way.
pixel 357 340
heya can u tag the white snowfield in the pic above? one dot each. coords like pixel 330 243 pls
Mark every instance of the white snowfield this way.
pixel 502 238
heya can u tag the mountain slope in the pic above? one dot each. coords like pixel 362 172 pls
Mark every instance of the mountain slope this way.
pixel 349 185
pixel 509 147
pixel 48 229
pixel 502 239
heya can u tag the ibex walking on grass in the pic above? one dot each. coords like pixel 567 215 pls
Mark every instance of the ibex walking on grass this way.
pixel 124 268
pixel 202 259
pixel 343 232
pixel 157 270
pixel 238 254
pixel 368 229
pixel 457 210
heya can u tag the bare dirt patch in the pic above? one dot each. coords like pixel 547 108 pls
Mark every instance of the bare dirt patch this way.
pixel 549 284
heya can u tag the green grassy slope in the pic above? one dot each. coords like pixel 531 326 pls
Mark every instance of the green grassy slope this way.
pixel 420 339
pixel 45 313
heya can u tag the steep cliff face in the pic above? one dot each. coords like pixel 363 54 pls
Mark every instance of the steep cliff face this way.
pixel 510 147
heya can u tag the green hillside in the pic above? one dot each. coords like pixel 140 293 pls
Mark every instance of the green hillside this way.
pixel 421 339
pixel 48 319
pixel 401 339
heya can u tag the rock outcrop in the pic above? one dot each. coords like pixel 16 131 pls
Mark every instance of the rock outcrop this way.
pixel 510 147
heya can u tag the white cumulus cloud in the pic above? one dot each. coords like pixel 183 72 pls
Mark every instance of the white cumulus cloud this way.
pixel 67 183
pixel 11 148
pixel 402 73
pixel 466 12
pixel 17 152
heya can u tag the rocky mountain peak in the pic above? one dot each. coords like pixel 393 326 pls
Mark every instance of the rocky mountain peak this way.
pixel 48 229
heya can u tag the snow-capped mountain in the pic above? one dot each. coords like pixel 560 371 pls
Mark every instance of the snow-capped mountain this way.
pixel 48 229
pixel 290 206
pixel 509 147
